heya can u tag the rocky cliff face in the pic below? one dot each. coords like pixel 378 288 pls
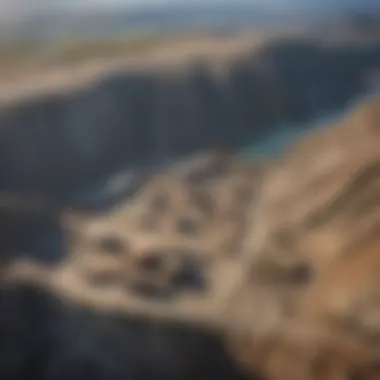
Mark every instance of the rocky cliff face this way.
pixel 55 143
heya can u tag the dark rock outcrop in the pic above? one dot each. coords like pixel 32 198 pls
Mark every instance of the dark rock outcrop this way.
pixel 44 338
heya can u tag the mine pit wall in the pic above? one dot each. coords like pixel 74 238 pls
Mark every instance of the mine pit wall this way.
pixel 59 142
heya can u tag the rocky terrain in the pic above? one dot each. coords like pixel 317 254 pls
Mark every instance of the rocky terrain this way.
pixel 44 337
pixel 299 245
pixel 84 124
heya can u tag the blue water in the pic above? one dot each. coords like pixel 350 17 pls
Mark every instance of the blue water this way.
pixel 273 145
pixel 287 134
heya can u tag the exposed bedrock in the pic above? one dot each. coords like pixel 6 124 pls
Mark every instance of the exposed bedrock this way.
pixel 44 338
pixel 57 143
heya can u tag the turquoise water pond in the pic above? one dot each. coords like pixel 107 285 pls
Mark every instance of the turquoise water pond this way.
pixel 287 134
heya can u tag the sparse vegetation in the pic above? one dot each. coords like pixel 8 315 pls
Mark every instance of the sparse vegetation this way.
pixel 73 51
pixel 18 58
